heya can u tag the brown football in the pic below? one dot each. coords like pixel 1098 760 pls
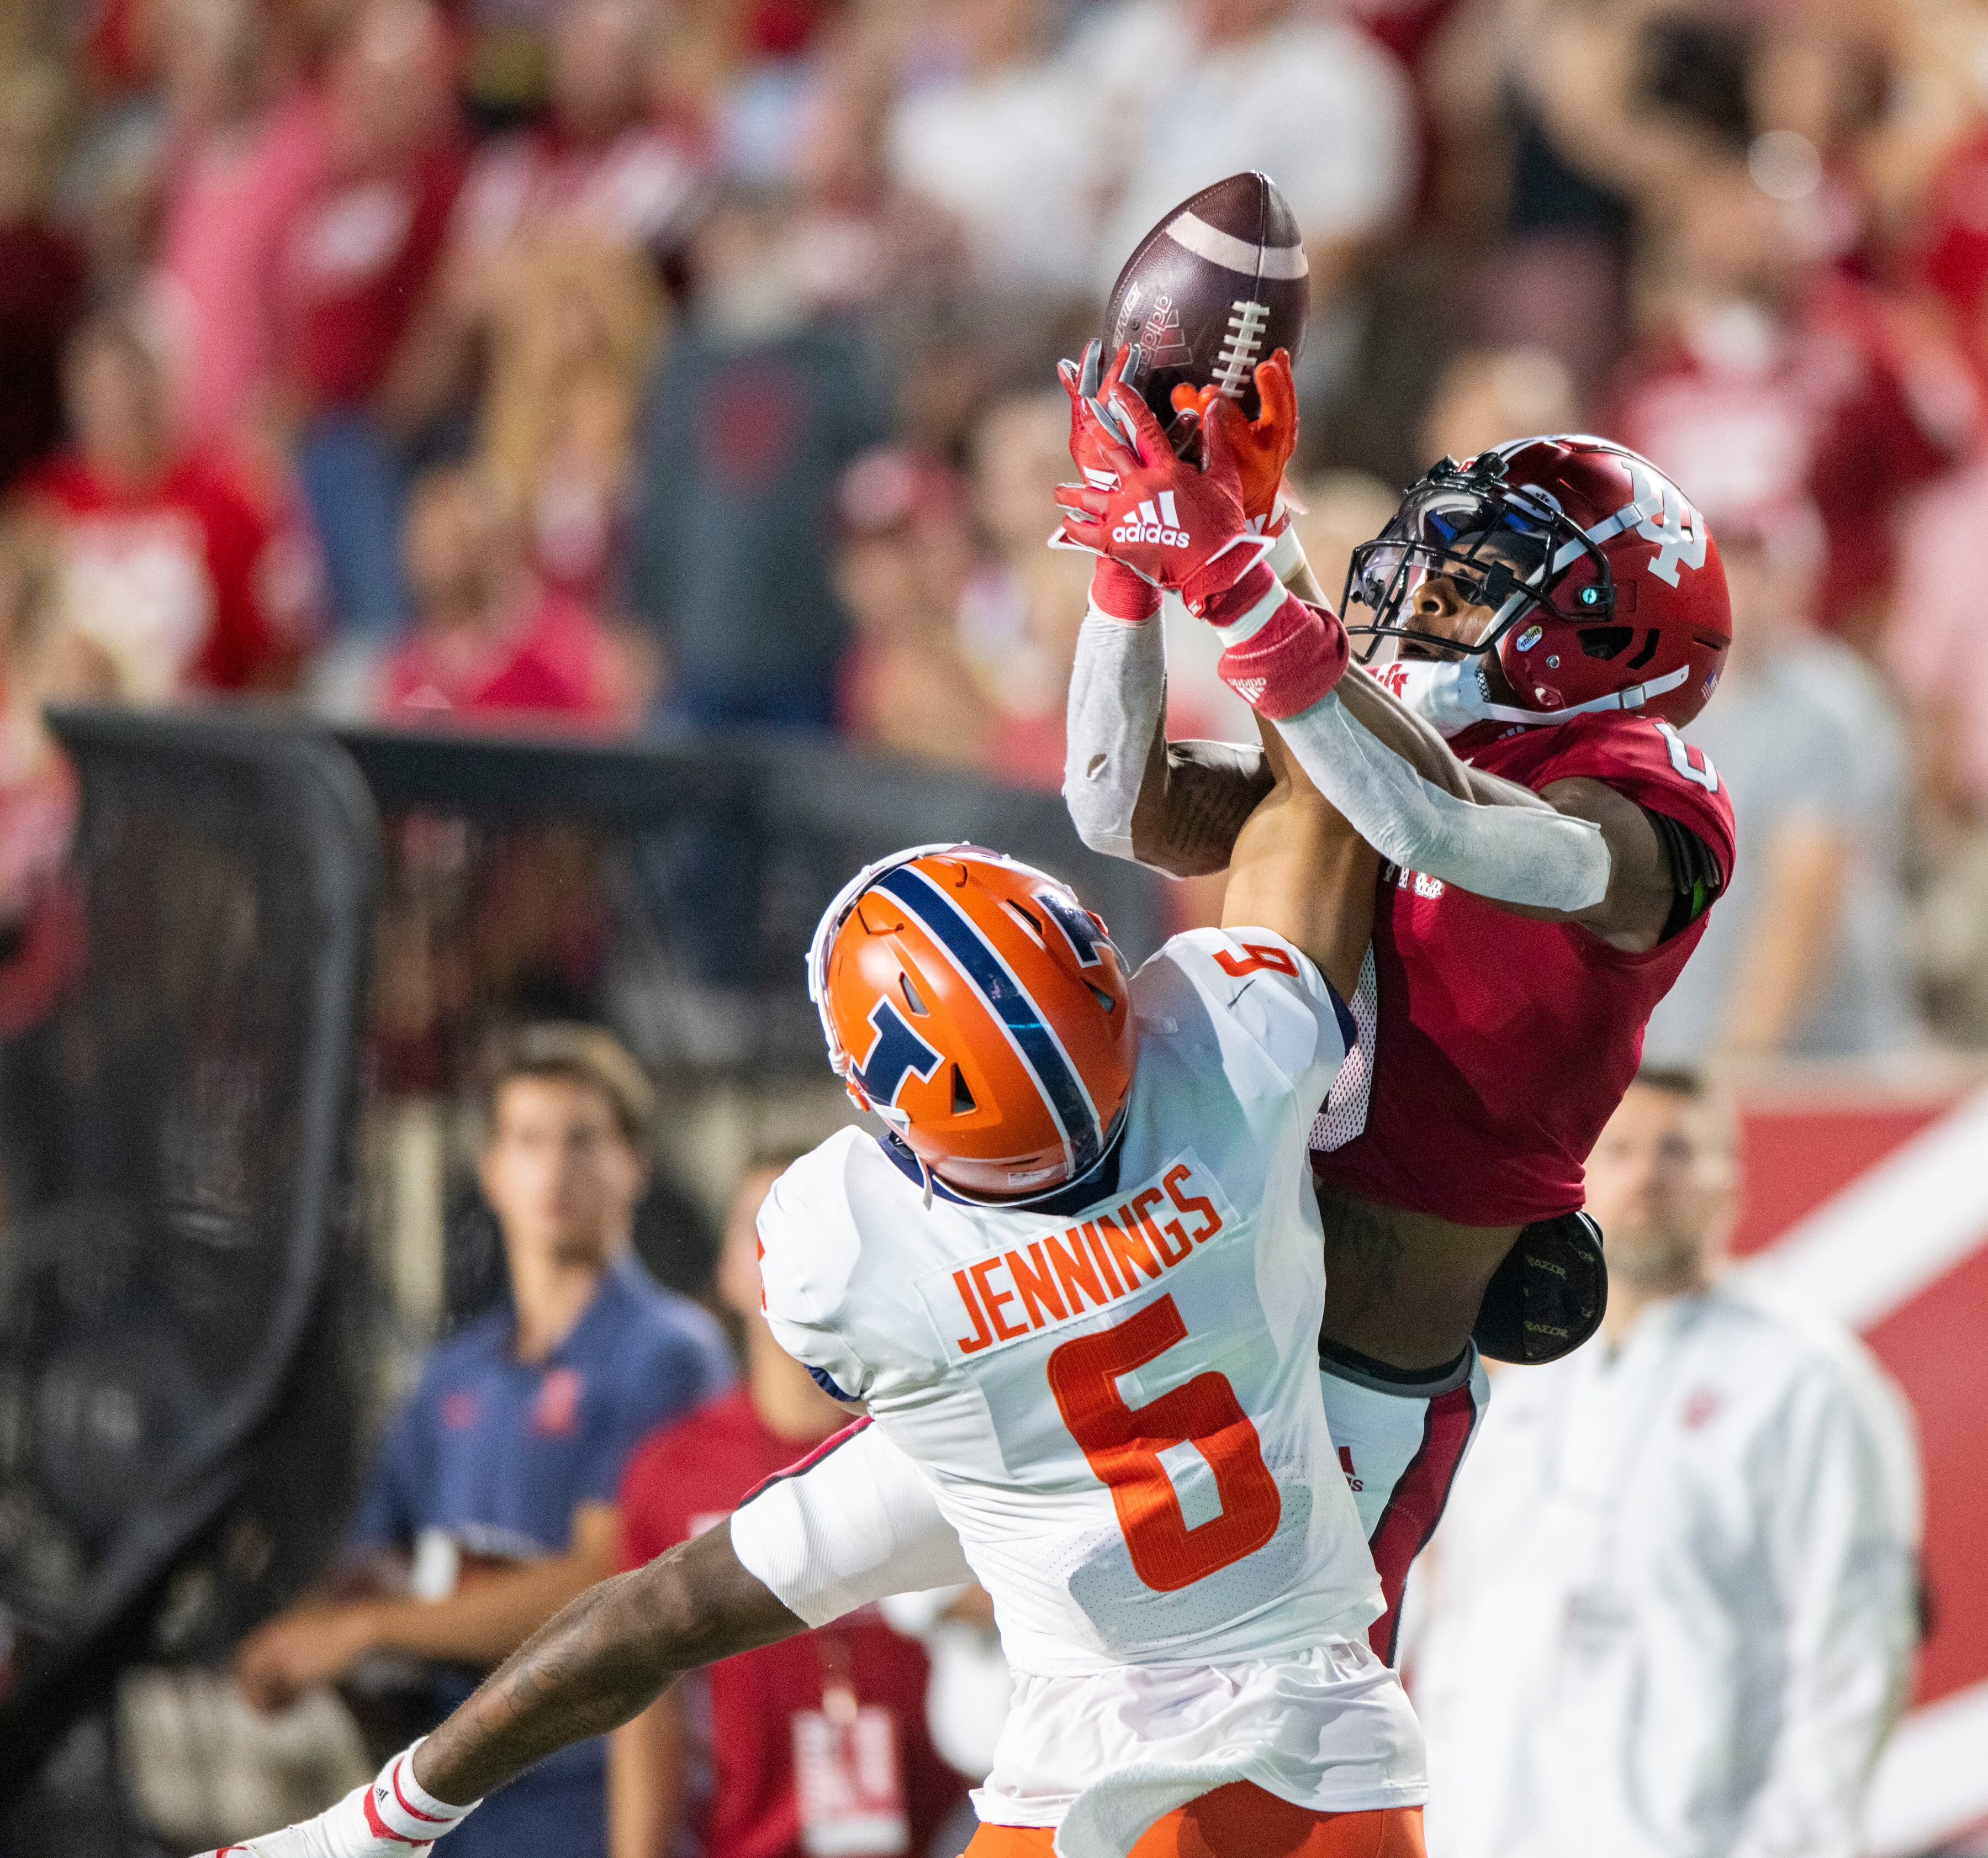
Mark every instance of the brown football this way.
pixel 1213 290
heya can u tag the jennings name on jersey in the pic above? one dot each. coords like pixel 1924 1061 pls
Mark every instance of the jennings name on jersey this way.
pixel 1113 1391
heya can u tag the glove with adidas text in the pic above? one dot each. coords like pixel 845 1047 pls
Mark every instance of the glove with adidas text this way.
pixel 1097 444
pixel 1178 527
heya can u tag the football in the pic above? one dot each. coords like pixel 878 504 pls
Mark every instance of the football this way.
pixel 1215 287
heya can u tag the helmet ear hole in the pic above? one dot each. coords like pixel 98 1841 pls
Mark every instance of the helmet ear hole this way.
pixel 1605 641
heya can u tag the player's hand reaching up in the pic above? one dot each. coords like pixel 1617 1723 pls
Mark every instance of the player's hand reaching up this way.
pixel 1264 444
pixel 1171 523
pixel 1095 436
pixel 1096 447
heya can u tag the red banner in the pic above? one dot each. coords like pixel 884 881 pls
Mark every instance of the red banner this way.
pixel 1872 1205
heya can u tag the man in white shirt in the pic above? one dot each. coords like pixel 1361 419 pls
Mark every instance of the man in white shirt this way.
pixel 1673 1605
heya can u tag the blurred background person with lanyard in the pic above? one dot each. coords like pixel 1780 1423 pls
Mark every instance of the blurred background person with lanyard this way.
pixel 1674 1603
pixel 817 1745
pixel 499 1476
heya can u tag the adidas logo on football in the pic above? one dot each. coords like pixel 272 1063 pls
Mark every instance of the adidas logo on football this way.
pixel 1161 525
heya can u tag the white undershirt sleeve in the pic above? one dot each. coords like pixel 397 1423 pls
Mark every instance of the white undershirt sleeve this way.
pixel 1118 696
pixel 1511 855
pixel 856 1526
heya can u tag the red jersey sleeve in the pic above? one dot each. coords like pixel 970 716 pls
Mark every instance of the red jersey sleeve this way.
pixel 1647 761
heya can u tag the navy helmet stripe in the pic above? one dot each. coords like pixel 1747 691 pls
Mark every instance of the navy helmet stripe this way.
pixel 1009 1001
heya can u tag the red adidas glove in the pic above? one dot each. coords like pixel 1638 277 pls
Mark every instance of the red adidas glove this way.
pixel 1096 447
pixel 1171 524
pixel 1097 436
pixel 1264 445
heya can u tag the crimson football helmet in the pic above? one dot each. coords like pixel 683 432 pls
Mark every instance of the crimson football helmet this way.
pixel 982 1011
pixel 1604 585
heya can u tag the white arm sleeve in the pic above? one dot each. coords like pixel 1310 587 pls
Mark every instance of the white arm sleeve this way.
pixel 1118 696
pixel 857 1524
pixel 1511 855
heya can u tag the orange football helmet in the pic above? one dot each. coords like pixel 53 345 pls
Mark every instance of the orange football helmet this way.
pixel 977 1007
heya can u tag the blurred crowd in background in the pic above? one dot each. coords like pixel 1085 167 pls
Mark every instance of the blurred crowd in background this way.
pixel 628 365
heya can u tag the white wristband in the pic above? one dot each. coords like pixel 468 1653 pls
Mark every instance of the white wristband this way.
pixel 391 1816
pixel 401 1807
pixel 1287 556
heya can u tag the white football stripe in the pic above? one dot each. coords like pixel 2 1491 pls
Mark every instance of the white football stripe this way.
pixel 1234 254
pixel 1931 1781
pixel 1894 1230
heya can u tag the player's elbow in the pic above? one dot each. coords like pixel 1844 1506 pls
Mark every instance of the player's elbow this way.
pixel 699 1603
pixel 1107 833
pixel 1097 809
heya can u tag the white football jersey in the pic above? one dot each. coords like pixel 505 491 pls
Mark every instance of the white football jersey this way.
pixel 1114 1392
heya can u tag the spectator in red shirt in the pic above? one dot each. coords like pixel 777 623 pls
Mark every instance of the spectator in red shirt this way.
pixel 765 1708
pixel 490 639
pixel 356 260
pixel 1769 378
pixel 169 567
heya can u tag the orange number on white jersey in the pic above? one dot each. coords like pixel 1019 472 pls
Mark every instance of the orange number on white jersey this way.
pixel 1123 1444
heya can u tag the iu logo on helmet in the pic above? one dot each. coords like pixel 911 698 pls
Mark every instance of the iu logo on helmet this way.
pixel 1676 544
pixel 896 1053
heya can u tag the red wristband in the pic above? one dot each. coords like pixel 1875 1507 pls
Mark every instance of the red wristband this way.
pixel 1289 662
pixel 1119 594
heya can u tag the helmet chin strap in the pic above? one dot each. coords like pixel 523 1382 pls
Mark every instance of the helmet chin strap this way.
pixel 1452 697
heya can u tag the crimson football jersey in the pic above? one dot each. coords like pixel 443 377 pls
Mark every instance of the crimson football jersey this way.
pixel 1492 1048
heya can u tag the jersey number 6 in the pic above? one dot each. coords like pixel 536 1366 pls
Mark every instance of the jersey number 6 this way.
pixel 1123 1444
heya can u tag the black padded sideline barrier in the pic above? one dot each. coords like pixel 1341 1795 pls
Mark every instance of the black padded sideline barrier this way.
pixel 189 1329
pixel 174 1142
pixel 798 815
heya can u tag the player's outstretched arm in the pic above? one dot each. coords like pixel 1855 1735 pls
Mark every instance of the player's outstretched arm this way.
pixel 1615 879
pixel 1175 806
pixel 598 1662
pixel 1580 852
pixel 1299 868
